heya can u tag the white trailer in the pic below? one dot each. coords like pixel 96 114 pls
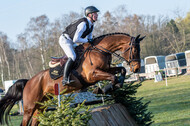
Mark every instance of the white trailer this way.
pixel 152 64
pixel 187 56
pixel 7 84
pixel 175 61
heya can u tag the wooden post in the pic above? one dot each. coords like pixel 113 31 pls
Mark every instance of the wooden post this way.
pixel 137 77
pixel 101 94
pixel 166 76
pixel 57 92
pixel 21 107
pixel 176 71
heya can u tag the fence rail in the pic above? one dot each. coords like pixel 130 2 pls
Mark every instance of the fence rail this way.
pixel 111 115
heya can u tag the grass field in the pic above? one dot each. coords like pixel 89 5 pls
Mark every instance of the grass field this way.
pixel 170 104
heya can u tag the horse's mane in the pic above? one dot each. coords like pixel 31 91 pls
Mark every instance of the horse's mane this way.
pixel 116 33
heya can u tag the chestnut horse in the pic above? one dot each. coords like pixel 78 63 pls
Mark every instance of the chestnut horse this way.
pixel 94 66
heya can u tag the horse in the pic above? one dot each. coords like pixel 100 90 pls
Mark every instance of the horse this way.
pixel 95 65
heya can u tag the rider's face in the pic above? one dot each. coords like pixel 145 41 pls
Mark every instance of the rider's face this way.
pixel 94 16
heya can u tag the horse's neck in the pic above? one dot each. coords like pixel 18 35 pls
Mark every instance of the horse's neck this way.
pixel 112 43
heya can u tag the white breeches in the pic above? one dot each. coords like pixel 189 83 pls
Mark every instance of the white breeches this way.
pixel 67 46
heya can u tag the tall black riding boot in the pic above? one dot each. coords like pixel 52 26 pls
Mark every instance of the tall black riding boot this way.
pixel 67 70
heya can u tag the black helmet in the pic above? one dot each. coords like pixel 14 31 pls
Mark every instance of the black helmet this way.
pixel 90 9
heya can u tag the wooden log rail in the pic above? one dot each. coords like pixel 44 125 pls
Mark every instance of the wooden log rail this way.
pixel 111 115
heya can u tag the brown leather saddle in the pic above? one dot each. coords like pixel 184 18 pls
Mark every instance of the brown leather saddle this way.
pixel 57 66
pixel 55 61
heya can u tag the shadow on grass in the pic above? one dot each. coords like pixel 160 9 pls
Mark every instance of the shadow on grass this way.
pixel 178 122
pixel 178 106
pixel 169 97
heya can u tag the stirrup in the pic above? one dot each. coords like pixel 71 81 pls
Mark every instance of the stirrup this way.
pixel 67 82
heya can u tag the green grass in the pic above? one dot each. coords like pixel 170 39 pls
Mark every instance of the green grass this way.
pixel 170 104
pixel 15 120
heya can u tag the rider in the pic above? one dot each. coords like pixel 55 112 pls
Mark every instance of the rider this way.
pixel 77 32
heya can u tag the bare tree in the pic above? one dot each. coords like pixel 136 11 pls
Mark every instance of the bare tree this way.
pixel 38 31
pixel 17 73
pixel 22 39
pixel 1 67
pixel 3 45
pixel 109 23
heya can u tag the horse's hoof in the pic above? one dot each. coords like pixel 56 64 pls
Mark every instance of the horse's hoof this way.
pixel 118 85
pixel 98 91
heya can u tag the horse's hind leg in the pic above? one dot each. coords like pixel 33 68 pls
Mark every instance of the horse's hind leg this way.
pixel 30 112
pixel 35 121
pixel 30 107
pixel 27 117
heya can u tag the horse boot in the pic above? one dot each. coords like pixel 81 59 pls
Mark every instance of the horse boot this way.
pixel 67 70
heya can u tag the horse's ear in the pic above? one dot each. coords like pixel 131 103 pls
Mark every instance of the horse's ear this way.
pixel 137 37
pixel 140 39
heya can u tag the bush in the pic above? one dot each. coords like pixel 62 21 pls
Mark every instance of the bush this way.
pixel 65 115
pixel 136 108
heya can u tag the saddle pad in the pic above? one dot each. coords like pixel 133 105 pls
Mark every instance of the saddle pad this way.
pixel 56 72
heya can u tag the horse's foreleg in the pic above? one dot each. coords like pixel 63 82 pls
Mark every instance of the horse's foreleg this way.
pixel 109 74
pixel 122 70
pixel 115 70
pixel 99 75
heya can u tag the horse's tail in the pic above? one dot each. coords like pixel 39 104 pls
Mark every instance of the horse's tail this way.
pixel 13 95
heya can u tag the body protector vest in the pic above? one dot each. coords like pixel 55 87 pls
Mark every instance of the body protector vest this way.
pixel 71 29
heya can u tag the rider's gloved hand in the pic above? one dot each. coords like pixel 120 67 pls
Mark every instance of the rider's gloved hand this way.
pixel 90 41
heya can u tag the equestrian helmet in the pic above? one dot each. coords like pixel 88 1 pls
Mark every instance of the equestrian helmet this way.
pixel 90 9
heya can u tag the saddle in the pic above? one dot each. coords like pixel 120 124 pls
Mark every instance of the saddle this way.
pixel 57 63
pixel 56 67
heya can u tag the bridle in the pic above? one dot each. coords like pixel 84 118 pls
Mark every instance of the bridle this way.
pixel 131 44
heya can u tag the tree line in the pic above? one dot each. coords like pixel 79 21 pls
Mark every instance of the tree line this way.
pixel 39 41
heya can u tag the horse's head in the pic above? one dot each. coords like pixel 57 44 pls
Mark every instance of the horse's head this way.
pixel 131 53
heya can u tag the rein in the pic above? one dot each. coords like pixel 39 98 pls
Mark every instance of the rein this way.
pixel 109 52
